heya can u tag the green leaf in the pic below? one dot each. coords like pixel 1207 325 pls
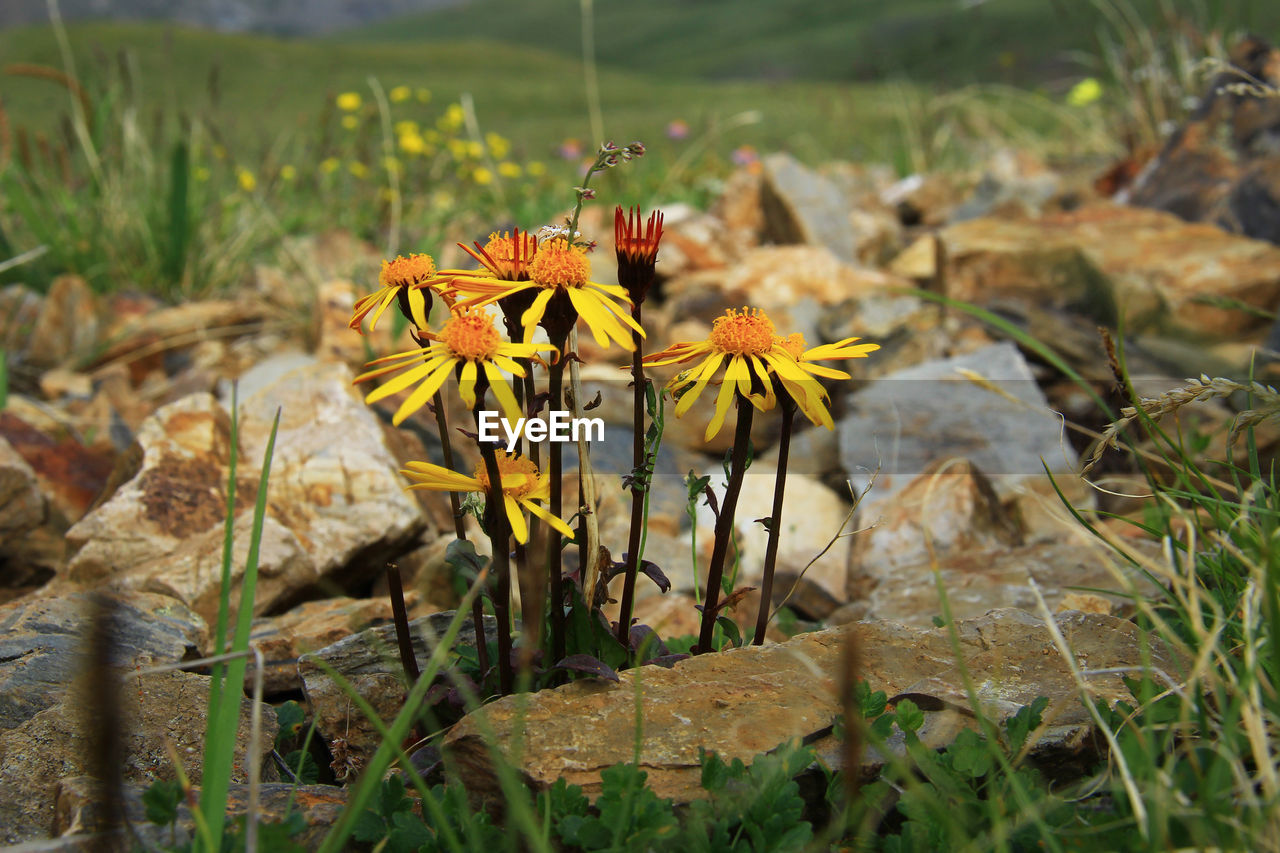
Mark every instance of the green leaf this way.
pixel 290 718
pixel 970 755
pixel 303 764
pixel 910 717
pixel 408 834
pixel 161 800
pixel 871 704
pixel 1025 721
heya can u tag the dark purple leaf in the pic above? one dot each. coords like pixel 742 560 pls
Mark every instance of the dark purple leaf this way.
pixel 588 665
pixel 643 637
pixel 655 574
pixel 712 501
pixel 537 404
pixel 594 404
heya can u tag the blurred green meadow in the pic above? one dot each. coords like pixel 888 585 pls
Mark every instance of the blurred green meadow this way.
pixel 167 159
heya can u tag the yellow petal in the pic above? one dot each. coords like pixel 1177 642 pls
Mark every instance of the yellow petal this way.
pixel 404 380
pixel 547 517
pixel 467 384
pixel 423 392
pixel 502 392
pixel 535 311
pixel 723 401
pixel 518 527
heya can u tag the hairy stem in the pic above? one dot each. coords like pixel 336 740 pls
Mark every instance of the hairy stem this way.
pixel 724 524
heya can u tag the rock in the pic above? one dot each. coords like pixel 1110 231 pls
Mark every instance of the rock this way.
pixel 19 308
pixel 691 241
pixel 812 517
pixel 747 701
pixel 337 509
pixel 142 341
pixel 22 505
pixel 310 627
pixel 916 416
pixel 739 207
pixel 949 509
pixel 1151 267
pixel 67 324
pixel 801 206
pixel 42 645
pixel 775 277
pixel 79 812
pixel 161 712
pixel 69 474
pixel 979 580
pixel 370 661
pixel 1012 181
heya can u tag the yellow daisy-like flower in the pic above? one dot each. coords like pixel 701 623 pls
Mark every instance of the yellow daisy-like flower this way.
pixel 809 394
pixel 522 485
pixel 468 339
pixel 559 267
pixel 409 275
pixel 349 101
pixel 505 257
pixel 745 344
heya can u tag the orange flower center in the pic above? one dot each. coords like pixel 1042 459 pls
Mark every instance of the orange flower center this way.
pixel 794 344
pixel 403 271
pixel 511 254
pixel 748 333
pixel 519 475
pixel 559 264
pixel 471 335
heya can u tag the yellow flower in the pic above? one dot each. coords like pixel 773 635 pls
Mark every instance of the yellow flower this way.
pixel 409 274
pixel 482 176
pixel 399 93
pixel 405 127
pixel 468 339
pixel 808 393
pixel 288 172
pixel 745 344
pixel 246 179
pixel 560 269
pixel 392 165
pixel 357 169
pixel 349 101
pixel 475 149
pixel 452 118
pixel 1085 92
pixel 412 143
pixel 505 257
pixel 330 164
pixel 507 169
pixel 499 146
pixel 201 174
pixel 522 485
pixel 537 168
pixel 350 122
pixel 423 95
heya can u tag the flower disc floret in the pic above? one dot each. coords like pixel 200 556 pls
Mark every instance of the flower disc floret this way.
pixel 405 272
pixel 519 475
pixel 405 279
pixel 471 335
pixel 559 264
pixel 748 333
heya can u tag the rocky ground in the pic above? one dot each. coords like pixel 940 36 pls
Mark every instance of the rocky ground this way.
pixel 115 440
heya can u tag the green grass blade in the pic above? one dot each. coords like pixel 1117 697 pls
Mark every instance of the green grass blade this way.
pixel 224 697
pixel 179 227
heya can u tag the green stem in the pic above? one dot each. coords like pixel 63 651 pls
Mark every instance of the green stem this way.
pixel 724 524
pixel 775 520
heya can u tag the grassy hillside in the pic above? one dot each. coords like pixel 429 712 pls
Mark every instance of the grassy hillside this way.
pixel 946 42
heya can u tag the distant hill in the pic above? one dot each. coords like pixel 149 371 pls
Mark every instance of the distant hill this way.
pixel 949 42
pixel 279 17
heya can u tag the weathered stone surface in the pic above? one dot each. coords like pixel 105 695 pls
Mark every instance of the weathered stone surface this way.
pixel 976 581
pixel 79 812
pixel 913 417
pixel 949 509
pixel 1148 265
pixel 22 505
pixel 812 516
pixel 160 711
pixel 337 509
pixel 70 474
pixel 370 661
pixel 750 700
pixel 43 643
pixel 776 277
pixel 801 206
pixel 310 627
pixel 67 323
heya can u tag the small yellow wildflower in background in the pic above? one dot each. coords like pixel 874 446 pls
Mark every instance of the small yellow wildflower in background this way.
pixel 392 165
pixel 499 146
pixel 475 149
pixel 405 127
pixel 1085 92
pixel 482 176
pixel 452 118
pixel 201 174
pixel 536 169
pixel 412 143
pixel 357 169
pixel 424 95
pixel 288 172
pixel 329 165
pixel 458 148
pixel 349 101
pixel 399 94
pixel 247 181
pixel 350 122
pixel 507 169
